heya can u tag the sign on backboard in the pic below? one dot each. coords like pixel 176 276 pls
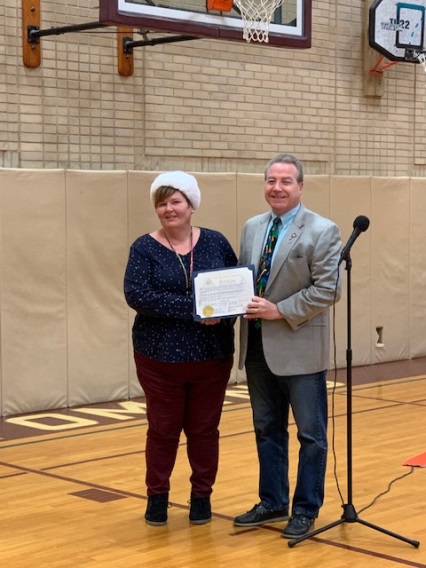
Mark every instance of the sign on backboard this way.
pixel 290 27
pixel 397 29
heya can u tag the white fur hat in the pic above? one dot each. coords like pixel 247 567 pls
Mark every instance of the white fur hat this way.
pixel 182 181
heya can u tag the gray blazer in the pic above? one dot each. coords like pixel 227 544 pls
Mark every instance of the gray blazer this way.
pixel 302 283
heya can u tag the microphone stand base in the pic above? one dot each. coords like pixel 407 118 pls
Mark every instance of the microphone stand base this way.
pixel 350 516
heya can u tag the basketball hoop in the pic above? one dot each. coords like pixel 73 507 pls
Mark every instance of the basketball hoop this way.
pixel 256 16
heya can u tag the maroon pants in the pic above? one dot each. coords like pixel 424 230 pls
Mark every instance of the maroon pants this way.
pixel 188 397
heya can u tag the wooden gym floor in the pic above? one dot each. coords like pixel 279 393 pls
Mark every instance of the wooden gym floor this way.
pixel 73 496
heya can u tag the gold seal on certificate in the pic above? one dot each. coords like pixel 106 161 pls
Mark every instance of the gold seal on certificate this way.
pixel 222 293
pixel 208 311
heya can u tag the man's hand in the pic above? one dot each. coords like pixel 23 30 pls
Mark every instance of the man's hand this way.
pixel 259 308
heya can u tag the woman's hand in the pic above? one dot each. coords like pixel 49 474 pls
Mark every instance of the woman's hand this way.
pixel 211 321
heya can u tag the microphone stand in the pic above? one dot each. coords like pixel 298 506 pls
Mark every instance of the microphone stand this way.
pixel 349 513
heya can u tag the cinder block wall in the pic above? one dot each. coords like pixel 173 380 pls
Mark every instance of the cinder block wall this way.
pixel 206 105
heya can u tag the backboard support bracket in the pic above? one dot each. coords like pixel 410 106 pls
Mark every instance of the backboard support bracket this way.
pixel 32 33
pixel 381 65
pixel 292 32
pixel 129 44
pixel 373 83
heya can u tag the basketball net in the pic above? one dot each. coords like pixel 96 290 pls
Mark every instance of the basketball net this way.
pixel 421 58
pixel 256 16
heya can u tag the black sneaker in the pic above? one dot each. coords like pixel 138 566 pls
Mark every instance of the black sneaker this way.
pixel 298 525
pixel 200 511
pixel 260 515
pixel 156 510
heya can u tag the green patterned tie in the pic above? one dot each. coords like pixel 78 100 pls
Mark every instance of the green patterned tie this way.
pixel 266 258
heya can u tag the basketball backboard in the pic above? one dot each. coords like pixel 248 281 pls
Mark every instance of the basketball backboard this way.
pixel 397 29
pixel 290 27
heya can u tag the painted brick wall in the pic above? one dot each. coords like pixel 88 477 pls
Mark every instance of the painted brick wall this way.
pixel 206 105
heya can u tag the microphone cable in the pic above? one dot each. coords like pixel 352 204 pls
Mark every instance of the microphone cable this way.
pixel 333 417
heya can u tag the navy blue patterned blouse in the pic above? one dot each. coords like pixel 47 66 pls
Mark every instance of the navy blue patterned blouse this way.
pixel 155 286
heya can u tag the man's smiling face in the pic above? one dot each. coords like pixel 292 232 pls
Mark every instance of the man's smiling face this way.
pixel 282 190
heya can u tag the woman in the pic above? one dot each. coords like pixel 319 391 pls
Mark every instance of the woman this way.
pixel 182 365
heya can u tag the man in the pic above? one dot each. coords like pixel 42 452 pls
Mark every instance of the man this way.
pixel 285 345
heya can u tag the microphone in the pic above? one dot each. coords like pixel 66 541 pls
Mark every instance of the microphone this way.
pixel 361 224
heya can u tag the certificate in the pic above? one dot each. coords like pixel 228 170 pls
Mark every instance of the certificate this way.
pixel 222 293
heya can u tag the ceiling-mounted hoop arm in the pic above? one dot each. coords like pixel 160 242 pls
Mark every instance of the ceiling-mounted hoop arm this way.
pixel 31 34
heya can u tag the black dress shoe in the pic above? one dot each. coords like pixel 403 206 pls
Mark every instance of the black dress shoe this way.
pixel 298 525
pixel 260 515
